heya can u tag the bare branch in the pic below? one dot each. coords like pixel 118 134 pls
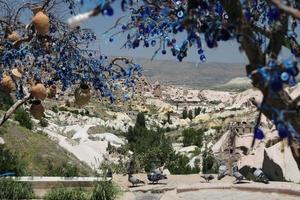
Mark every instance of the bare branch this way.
pixel 13 108
pixel 288 9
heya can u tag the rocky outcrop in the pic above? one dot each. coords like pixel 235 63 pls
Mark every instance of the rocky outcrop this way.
pixel 279 164
pixel 2 141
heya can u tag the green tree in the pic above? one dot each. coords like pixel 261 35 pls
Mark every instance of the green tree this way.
pixel 149 146
pixel 197 111
pixel 193 137
pixel 184 113
pixel 190 115
pixel 140 120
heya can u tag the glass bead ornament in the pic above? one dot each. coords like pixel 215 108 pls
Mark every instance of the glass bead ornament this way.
pixel 258 133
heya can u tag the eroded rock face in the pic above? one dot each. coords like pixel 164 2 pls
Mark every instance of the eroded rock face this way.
pixel 272 170
pixel 279 164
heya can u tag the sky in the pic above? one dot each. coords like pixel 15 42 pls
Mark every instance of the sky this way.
pixel 226 52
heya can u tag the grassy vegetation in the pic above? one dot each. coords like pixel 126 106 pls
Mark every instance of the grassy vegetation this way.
pixel 38 150
pixel 13 190
pixel 11 162
pixel 101 191
pixel 62 193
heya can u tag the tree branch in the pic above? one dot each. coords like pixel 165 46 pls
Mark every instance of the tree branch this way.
pixel 13 108
pixel 288 9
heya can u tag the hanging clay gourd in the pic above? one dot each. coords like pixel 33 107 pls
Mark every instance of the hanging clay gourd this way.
pixel 16 73
pixel 39 91
pixel 14 36
pixel 40 21
pixel 52 91
pixel 37 109
pixel 82 95
pixel 7 83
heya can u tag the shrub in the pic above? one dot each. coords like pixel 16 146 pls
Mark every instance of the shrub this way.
pixel 10 189
pixel 44 122
pixel 23 118
pixel 178 164
pixel 11 162
pixel 209 164
pixel 105 191
pixel 55 109
pixel 62 193
pixel 6 100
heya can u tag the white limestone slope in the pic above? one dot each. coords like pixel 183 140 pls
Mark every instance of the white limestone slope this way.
pixel 73 135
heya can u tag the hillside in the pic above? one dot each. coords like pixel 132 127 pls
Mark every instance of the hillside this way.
pixel 202 75
pixel 37 150
pixel 236 84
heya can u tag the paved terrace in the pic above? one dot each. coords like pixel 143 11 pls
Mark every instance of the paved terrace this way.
pixel 178 187
pixel 193 187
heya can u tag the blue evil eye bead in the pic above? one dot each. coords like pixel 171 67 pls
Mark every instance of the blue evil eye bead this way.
pixel 225 16
pixel 247 14
pixel 273 14
pixel 288 63
pixel 282 130
pixel 108 11
pixel 285 76
pixel 210 43
pixel 225 35
pixel 123 5
pixel 259 134
pixel 292 81
pixel 200 51
pixel 294 71
pixel 146 44
pixel 219 9
pixel 264 73
pixel 180 14
pixel 153 43
pixel 203 58
pixel 276 83
pixel 272 64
